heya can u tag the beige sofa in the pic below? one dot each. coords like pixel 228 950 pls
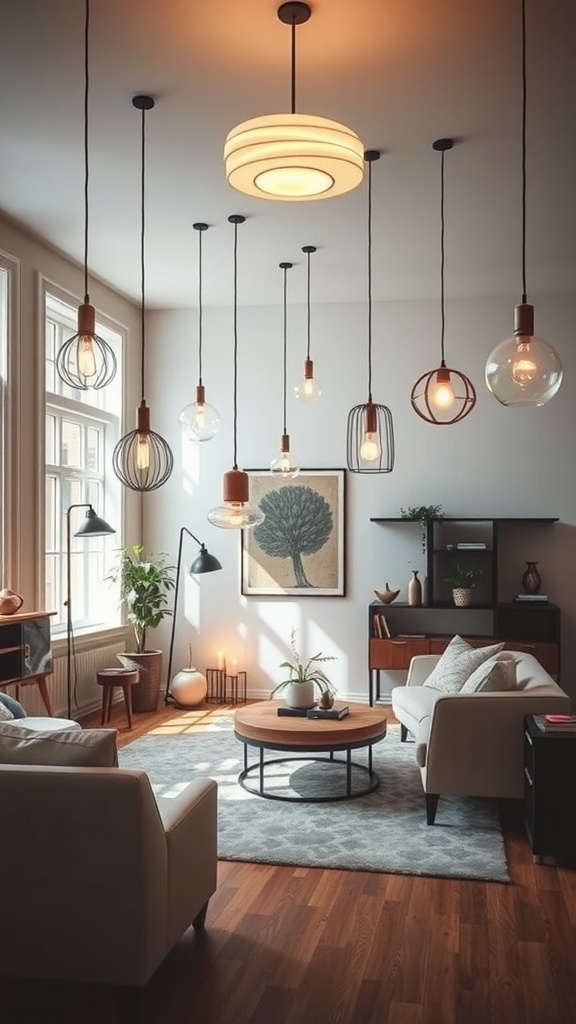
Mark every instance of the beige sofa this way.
pixel 99 877
pixel 471 744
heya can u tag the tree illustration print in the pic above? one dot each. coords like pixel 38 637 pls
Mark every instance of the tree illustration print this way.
pixel 298 522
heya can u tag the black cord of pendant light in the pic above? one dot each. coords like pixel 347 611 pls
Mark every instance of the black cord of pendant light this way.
pixel 142 238
pixel 308 250
pixel 369 280
pixel 285 267
pixel 86 169
pixel 524 90
pixel 200 233
pixel 442 260
pixel 235 220
pixel 293 75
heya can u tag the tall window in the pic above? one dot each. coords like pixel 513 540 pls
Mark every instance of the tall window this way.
pixel 82 428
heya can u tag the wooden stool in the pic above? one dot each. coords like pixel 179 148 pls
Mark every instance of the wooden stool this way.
pixel 108 678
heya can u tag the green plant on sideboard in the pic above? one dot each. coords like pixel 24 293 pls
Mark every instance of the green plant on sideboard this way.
pixel 462 578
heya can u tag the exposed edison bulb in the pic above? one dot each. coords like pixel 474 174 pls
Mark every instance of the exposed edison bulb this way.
pixel 85 356
pixel 442 394
pixel 235 515
pixel 524 369
pixel 143 452
pixel 370 447
pixel 308 388
pixel 199 421
pixel 284 465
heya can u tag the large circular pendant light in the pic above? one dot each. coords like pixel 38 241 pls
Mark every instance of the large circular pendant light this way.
pixel 524 370
pixel 293 157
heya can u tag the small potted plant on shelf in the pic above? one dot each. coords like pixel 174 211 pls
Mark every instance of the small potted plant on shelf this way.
pixel 303 677
pixel 463 581
pixel 145 582
pixel 422 514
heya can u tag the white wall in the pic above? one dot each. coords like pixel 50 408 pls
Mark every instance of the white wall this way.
pixel 497 462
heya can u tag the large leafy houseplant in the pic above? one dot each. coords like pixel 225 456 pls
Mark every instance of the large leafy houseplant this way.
pixel 145 582
pixel 304 671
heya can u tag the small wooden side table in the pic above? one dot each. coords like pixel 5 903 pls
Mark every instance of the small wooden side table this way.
pixel 108 678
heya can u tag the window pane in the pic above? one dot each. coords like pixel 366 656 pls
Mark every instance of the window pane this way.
pixel 71 444
pixel 50 455
pixel 93 448
pixel 50 514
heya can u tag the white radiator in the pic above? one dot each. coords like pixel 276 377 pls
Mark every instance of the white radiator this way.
pixel 86 694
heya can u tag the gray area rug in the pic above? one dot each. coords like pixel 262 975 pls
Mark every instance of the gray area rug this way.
pixel 383 831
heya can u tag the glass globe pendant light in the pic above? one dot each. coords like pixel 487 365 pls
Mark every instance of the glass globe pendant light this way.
pixel 284 464
pixel 199 421
pixel 370 431
pixel 308 388
pixel 524 370
pixel 443 396
pixel 235 513
pixel 142 460
pixel 86 361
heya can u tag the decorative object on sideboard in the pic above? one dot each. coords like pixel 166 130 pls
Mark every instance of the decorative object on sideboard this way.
pixel 293 157
pixel 414 590
pixel 387 596
pixel 463 581
pixel 524 370
pixel 304 676
pixel 284 464
pixel 10 601
pixel 370 430
pixel 308 388
pixel 235 512
pixel 199 421
pixel 86 361
pixel 142 460
pixel 443 396
pixel 422 514
pixel 531 579
pixel 203 563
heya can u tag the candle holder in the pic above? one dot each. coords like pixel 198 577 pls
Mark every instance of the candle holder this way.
pixel 235 687
pixel 216 680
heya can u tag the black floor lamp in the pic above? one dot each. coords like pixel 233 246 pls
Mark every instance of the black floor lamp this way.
pixel 93 526
pixel 204 562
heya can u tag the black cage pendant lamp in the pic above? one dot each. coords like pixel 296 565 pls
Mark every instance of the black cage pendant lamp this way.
pixel 524 370
pixel 199 420
pixel 370 433
pixel 443 395
pixel 143 460
pixel 85 361
pixel 235 513
pixel 308 388
pixel 293 157
pixel 284 464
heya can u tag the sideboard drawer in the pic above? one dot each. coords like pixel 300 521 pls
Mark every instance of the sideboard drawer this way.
pixel 396 654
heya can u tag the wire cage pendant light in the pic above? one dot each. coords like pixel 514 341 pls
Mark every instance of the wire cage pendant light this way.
pixel 443 396
pixel 86 361
pixel 370 430
pixel 524 370
pixel 284 464
pixel 142 460
pixel 293 157
pixel 199 420
pixel 308 388
pixel 235 513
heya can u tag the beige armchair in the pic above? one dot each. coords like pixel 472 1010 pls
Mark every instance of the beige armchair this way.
pixel 99 877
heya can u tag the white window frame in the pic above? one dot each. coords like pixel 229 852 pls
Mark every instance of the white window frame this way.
pixel 10 458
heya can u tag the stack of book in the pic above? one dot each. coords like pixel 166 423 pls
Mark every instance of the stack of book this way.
pixel 556 723
pixel 534 598
pixel 472 545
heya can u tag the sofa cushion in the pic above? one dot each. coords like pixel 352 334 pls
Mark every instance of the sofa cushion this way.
pixel 85 748
pixel 457 663
pixel 498 673
pixel 13 705
pixel 5 713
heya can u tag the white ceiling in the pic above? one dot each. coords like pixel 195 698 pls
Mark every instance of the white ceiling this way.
pixel 400 72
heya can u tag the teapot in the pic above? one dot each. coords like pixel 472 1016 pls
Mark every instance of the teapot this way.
pixel 10 602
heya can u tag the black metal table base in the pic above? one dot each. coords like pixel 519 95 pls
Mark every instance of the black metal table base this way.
pixel 257 770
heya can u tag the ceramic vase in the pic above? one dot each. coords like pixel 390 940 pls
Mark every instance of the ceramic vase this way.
pixel 188 687
pixel 415 590
pixel 531 578
pixel 300 695
pixel 10 602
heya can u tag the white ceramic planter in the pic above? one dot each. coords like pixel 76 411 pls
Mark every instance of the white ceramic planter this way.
pixel 300 695
pixel 188 687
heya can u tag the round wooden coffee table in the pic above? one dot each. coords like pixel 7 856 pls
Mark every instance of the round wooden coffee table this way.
pixel 309 739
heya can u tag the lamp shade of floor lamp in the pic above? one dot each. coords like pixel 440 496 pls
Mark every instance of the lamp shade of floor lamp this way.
pixel 92 526
pixel 204 562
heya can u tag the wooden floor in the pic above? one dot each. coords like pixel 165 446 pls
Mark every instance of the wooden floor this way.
pixel 290 945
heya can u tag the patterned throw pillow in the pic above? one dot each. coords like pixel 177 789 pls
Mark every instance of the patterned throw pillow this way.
pixel 5 714
pixel 457 663
pixel 18 711
pixel 498 673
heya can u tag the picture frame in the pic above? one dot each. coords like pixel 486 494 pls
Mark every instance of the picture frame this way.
pixel 300 548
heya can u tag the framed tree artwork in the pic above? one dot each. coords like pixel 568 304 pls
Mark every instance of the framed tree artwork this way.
pixel 299 549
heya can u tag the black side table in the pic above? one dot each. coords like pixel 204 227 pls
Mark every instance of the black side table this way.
pixel 550 790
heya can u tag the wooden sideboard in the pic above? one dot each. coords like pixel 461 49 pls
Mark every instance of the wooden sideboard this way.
pixel 26 652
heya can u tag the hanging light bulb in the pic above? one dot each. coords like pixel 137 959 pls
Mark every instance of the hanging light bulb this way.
pixel 142 460
pixel 524 370
pixel 443 395
pixel 308 388
pixel 235 513
pixel 199 420
pixel 85 361
pixel 370 431
pixel 284 464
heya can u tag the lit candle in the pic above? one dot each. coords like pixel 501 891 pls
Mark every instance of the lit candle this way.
pixel 234 668
pixel 220 662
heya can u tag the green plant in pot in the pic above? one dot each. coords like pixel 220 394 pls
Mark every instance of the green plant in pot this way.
pixel 303 679
pixel 145 583
pixel 422 514
pixel 463 581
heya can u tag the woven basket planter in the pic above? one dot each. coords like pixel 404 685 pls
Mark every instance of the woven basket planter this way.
pixel 462 596
pixel 147 691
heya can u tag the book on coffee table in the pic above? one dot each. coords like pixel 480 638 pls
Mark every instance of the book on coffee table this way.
pixel 339 712
pixel 285 712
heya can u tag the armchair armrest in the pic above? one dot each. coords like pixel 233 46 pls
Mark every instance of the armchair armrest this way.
pixel 420 668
